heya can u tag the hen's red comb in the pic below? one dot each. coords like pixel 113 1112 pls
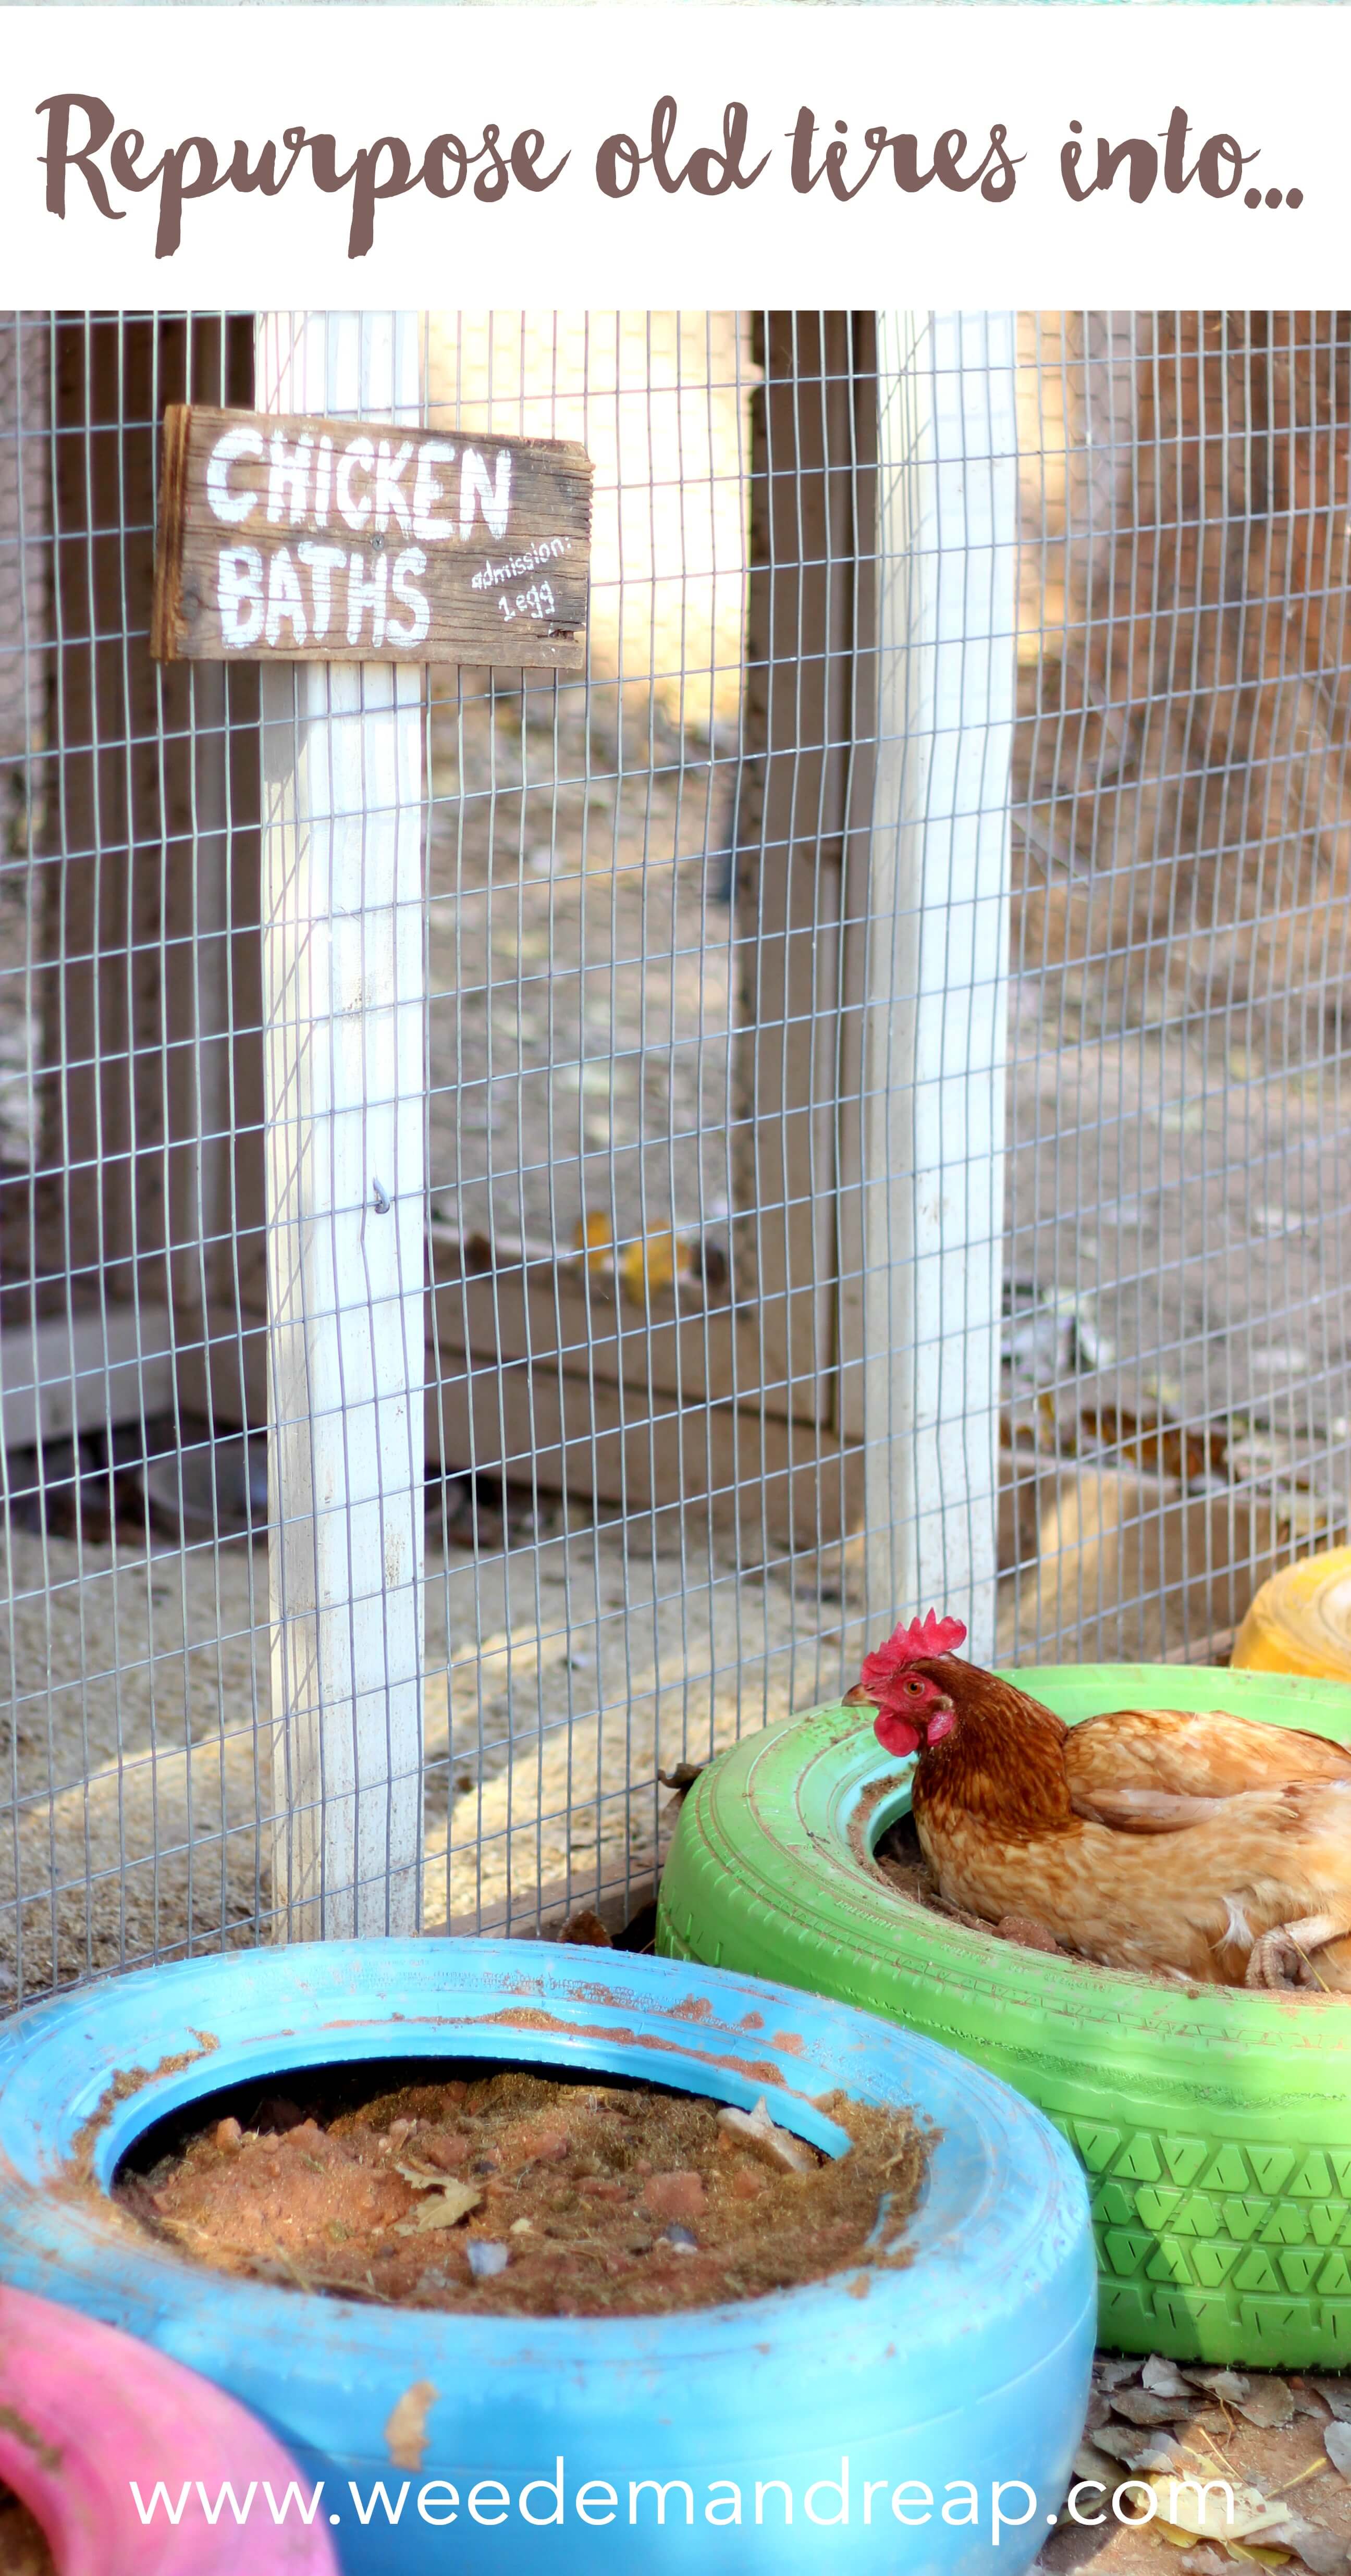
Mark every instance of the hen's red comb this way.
pixel 927 1636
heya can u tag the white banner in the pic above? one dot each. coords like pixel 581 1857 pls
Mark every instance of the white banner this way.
pixel 539 157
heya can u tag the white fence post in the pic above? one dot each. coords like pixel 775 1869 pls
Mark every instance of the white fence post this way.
pixel 937 987
pixel 343 1009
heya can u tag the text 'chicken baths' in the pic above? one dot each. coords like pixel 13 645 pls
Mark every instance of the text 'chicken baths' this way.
pixel 305 539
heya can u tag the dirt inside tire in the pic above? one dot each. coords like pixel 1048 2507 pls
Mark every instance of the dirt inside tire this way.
pixel 519 2194
pixel 23 2546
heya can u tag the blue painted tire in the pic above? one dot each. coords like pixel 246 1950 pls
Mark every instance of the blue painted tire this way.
pixel 971 2365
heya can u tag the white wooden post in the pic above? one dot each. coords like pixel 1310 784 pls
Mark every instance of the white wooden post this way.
pixel 937 985
pixel 343 1007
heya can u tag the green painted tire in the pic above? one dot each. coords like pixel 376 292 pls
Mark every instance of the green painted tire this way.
pixel 1214 2125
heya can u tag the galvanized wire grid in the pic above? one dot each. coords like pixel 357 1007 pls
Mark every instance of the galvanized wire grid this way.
pixel 582 992
pixel 1177 1361
pixel 136 1702
pixel 716 948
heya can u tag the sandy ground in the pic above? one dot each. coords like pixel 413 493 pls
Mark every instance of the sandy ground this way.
pixel 135 1743
pixel 1261 2432
pixel 568 2193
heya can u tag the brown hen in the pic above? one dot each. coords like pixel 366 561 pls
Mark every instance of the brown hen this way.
pixel 1198 1845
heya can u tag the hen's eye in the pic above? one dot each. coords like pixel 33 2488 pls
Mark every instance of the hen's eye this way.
pixel 914 1684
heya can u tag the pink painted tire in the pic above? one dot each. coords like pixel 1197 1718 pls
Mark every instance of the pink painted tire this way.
pixel 85 2410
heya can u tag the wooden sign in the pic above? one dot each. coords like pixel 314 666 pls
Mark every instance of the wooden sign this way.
pixel 284 539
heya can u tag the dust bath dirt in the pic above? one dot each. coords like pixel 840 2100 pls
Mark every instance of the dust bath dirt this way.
pixel 23 2549
pixel 516 2194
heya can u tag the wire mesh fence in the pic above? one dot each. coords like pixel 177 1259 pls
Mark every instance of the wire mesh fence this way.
pixel 880 1097
pixel 1179 1177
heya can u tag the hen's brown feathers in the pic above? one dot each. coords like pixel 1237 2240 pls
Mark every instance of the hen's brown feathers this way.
pixel 1018 1814
pixel 1159 1770
pixel 1193 1753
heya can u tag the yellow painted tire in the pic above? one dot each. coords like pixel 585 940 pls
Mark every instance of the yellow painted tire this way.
pixel 1300 1621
